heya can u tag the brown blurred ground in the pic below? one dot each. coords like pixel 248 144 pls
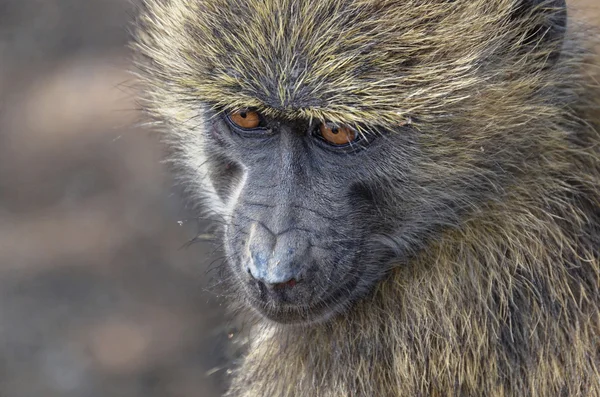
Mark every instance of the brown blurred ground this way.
pixel 97 298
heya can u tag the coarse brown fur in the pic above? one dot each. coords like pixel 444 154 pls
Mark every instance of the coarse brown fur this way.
pixel 504 302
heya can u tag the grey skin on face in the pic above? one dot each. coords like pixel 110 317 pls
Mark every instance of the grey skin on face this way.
pixel 302 216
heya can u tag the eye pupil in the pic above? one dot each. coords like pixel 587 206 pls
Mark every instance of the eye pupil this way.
pixel 243 115
pixel 335 130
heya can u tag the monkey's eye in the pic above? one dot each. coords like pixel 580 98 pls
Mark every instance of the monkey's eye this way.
pixel 337 135
pixel 245 119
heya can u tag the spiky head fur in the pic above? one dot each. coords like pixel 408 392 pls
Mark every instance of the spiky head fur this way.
pixel 505 300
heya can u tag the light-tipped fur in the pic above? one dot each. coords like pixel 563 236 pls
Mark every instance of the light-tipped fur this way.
pixel 505 301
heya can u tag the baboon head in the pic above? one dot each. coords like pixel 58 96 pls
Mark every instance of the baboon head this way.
pixel 336 138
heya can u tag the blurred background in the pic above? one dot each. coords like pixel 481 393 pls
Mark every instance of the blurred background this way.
pixel 98 296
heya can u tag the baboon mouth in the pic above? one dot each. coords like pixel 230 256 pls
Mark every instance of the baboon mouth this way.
pixel 316 312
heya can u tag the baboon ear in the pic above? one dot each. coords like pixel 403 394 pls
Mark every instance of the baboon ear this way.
pixel 548 20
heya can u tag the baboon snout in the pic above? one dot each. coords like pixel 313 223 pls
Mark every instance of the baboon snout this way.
pixel 275 260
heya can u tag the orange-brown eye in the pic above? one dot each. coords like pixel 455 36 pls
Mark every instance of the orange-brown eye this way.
pixel 337 135
pixel 246 119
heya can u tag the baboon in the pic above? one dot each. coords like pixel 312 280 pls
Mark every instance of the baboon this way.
pixel 409 190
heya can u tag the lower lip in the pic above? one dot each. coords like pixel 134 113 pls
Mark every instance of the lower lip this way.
pixel 313 312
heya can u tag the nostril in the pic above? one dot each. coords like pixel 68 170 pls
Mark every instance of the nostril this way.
pixel 249 271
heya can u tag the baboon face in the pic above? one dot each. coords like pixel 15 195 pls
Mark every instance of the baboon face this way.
pixel 308 224
pixel 335 137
